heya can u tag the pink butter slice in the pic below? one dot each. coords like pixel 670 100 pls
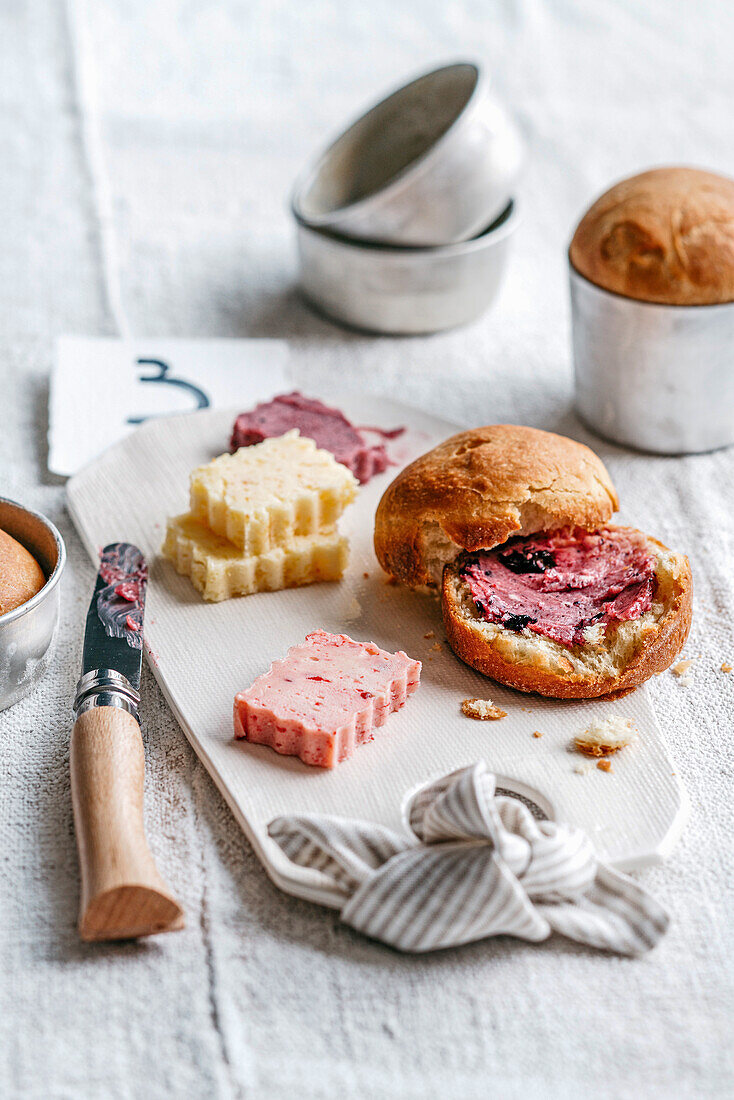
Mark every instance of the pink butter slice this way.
pixel 326 696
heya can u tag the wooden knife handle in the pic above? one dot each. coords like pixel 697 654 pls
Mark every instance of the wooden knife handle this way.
pixel 123 896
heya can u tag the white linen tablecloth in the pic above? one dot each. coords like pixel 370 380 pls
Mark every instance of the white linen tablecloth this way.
pixel 147 154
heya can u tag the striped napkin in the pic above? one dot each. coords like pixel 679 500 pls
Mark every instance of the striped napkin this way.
pixel 478 864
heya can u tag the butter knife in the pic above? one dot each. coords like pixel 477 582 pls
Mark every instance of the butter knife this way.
pixel 122 894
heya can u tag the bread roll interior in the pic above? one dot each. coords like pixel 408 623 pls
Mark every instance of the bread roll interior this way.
pixel 532 662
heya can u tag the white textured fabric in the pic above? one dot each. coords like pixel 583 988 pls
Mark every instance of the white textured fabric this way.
pixel 146 162
pixel 480 865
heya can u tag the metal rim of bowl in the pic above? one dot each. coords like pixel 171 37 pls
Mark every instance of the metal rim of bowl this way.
pixel 616 296
pixel 395 184
pixel 502 226
pixel 53 580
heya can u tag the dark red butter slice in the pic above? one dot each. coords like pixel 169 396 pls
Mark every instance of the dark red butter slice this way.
pixel 328 427
pixel 559 584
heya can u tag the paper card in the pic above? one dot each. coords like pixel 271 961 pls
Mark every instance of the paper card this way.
pixel 102 388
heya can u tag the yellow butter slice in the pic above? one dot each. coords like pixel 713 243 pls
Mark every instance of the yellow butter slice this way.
pixel 272 493
pixel 220 570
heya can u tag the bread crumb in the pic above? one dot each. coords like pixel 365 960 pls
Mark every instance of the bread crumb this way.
pixel 682 667
pixel 366 576
pixel 437 646
pixel 604 765
pixel 726 667
pixel 537 733
pixel 430 634
pixel 605 736
pixel 482 709
pixel 584 768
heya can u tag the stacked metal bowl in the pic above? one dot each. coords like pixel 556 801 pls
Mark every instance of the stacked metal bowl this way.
pixel 405 221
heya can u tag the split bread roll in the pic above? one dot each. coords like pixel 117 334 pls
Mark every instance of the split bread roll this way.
pixel 20 574
pixel 616 661
pixel 479 488
pixel 482 487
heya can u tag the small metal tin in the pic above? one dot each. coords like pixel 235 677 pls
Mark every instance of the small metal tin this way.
pixel 655 377
pixel 404 291
pixel 27 633
pixel 432 164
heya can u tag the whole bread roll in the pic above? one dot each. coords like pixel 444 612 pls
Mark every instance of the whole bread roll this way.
pixel 478 488
pixel 664 236
pixel 20 574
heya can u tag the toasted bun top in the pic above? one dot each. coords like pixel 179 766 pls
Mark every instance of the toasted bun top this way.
pixel 20 574
pixel 664 236
pixel 479 488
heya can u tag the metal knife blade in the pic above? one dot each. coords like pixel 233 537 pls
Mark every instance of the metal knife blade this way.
pixel 113 638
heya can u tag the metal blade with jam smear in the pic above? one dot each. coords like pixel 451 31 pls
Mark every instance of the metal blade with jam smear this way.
pixel 114 633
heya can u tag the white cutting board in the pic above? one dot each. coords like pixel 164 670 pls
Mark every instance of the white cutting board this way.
pixel 201 654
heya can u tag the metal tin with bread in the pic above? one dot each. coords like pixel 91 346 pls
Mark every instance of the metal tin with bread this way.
pixel 33 556
pixel 652 306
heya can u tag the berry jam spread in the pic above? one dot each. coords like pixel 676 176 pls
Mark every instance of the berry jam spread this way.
pixel 121 601
pixel 329 428
pixel 559 584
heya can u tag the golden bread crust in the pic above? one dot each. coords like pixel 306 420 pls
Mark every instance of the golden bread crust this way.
pixel 480 487
pixel 664 236
pixel 655 652
pixel 20 574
